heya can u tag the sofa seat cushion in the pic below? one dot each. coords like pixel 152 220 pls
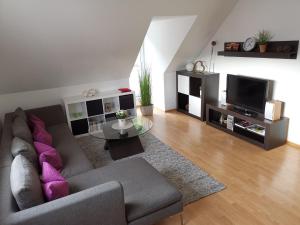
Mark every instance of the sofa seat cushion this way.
pixel 74 159
pixel 145 189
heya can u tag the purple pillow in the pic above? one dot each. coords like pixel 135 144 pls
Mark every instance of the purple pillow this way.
pixel 41 135
pixel 36 121
pixel 54 185
pixel 49 173
pixel 52 157
pixel 55 189
pixel 41 147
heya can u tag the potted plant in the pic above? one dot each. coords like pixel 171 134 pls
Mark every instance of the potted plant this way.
pixel 121 116
pixel 145 89
pixel 263 37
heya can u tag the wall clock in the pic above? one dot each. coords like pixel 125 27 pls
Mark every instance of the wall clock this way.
pixel 249 44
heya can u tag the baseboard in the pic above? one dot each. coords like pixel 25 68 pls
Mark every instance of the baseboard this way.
pixel 293 144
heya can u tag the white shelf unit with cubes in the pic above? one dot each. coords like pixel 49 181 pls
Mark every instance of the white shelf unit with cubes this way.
pixel 195 90
pixel 87 114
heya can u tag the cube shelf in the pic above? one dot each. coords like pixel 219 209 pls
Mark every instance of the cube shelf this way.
pixel 195 90
pixel 88 114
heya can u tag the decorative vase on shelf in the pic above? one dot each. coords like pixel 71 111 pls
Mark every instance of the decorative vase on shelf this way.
pixel 189 67
pixel 263 48
pixel 122 123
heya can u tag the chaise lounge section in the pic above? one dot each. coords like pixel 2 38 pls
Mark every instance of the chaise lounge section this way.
pixel 128 191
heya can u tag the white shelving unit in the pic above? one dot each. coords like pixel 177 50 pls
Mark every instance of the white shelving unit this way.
pixel 88 114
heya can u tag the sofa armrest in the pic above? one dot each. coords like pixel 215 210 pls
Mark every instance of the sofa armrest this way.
pixel 100 205
pixel 51 115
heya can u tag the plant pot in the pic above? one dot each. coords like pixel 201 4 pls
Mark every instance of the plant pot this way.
pixel 263 48
pixel 147 110
pixel 122 122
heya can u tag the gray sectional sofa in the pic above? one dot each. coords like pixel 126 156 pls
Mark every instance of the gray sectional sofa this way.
pixel 129 191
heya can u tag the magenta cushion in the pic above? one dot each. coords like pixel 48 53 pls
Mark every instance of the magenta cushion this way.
pixel 41 147
pixel 41 135
pixel 54 185
pixel 49 173
pixel 55 189
pixel 36 121
pixel 52 157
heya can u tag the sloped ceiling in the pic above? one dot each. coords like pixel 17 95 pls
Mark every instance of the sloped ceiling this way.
pixel 54 43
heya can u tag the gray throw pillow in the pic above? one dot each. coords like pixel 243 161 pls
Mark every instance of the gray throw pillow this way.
pixel 21 147
pixel 25 183
pixel 21 130
pixel 21 113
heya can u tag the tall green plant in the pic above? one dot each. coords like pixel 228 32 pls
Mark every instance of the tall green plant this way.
pixel 145 86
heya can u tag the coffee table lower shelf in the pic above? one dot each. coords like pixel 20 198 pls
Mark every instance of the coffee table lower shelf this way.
pixel 122 148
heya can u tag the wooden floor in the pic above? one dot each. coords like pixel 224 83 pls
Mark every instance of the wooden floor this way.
pixel 263 187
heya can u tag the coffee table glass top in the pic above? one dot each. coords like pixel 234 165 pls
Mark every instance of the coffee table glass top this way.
pixel 134 127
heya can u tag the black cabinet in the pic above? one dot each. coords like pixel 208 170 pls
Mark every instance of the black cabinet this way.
pixel 126 102
pixel 94 107
pixel 195 90
pixel 80 126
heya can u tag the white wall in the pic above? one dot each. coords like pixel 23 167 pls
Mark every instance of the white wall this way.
pixel 40 98
pixel 56 43
pixel 164 37
pixel 282 19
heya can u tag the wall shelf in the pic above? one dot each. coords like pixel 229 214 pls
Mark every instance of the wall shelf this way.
pixel 276 50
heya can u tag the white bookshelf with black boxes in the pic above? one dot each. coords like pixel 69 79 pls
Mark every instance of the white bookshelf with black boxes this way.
pixel 87 114
pixel 195 90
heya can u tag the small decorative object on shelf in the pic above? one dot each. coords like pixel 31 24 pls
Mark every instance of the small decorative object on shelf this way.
pixel 263 37
pixel 121 116
pixel 123 90
pixel 199 67
pixel 232 46
pixel 213 44
pixel 249 44
pixel 90 93
pixel 189 67
pixel 108 106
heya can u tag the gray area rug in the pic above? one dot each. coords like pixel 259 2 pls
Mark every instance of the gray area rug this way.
pixel 192 181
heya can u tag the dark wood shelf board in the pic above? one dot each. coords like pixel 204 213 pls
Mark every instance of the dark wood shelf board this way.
pixel 220 127
pixel 273 55
pixel 272 52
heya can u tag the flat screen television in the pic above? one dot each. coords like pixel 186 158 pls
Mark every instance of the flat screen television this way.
pixel 248 92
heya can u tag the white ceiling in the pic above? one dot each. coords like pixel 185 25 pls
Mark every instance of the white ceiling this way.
pixel 54 43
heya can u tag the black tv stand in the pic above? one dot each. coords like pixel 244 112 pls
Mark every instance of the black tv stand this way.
pixel 245 112
pixel 257 130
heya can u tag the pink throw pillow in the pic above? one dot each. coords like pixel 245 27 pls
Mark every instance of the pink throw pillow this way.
pixel 52 157
pixel 41 147
pixel 49 173
pixel 55 189
pixel 41 135
pixel 54 185
pixel 36 122
pixel 48 154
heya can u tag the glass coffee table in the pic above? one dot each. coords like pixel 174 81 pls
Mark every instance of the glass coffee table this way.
pixel 123 141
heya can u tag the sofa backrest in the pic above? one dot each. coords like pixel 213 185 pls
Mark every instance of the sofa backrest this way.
pixel 51 115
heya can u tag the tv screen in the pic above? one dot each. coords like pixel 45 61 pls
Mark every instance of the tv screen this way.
pixel 247 92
